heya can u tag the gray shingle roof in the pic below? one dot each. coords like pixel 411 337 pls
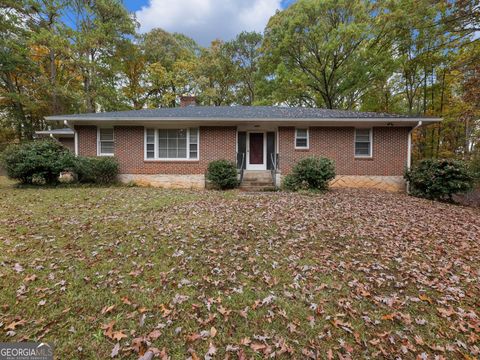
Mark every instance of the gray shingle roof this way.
pixel 230 112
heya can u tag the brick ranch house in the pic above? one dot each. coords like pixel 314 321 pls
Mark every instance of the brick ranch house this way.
pixel 171 147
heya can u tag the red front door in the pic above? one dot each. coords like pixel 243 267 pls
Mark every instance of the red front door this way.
pixel 256 148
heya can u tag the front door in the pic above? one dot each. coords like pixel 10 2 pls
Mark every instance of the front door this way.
pixel 256 151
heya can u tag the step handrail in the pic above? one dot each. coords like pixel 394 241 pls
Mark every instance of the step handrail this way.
pixel 273 171
pixel 241 168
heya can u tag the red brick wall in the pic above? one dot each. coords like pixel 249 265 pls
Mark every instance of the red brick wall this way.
pixel 87 140
pixel 215 143
pixel 389 150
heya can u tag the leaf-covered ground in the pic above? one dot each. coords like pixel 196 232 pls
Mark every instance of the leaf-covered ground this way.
pixel 106 272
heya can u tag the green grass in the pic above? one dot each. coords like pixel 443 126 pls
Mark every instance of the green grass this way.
pixel 330 276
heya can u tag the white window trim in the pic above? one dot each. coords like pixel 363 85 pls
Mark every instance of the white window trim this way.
pixel 156 158
pixel 370 134
pixel 99 148
pixel 308 139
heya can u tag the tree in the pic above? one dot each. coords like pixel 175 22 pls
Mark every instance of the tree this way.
pixel 415 36
pixel 132 68
pixel 331 46
pixel 171 62
pixel 16 66
pixel 216 75
pixel 245 54
pixel 100 26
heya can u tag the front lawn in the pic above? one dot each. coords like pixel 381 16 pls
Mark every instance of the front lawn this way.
pixel 347 274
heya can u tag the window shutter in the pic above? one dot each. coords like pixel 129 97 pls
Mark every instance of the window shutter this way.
pixel 242 149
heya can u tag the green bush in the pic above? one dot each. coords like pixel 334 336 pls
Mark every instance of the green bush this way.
pixel 97 170
pixel 37 162
pixel 41 162
pixel 223 174
pixel 312 173
pixel 439 179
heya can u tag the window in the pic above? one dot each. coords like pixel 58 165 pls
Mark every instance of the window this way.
pixel 150 140
pixel 193 144
pixel 363 142
pixel 301 138
pixel 105 141
pixel 171 144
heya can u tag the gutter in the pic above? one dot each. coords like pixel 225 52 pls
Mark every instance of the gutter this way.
pixel 409 154
pixel 242 119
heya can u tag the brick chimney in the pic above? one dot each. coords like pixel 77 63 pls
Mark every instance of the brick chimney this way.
pixel 188 100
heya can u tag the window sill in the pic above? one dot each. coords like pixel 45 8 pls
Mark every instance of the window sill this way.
pixel 110 155
pixel 363 157
pixel 302 149
pixel 172 160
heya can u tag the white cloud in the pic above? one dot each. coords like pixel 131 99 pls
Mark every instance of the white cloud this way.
pixel 206 20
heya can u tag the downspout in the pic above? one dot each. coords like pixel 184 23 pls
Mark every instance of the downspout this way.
pixel 409 154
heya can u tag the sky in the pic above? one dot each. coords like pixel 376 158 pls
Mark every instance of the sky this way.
pixel 205 20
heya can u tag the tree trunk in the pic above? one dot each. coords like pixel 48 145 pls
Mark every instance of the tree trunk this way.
pixel 88 97
pixel 442 92
pixel 433 91
pixel 53 83
pixel 424 91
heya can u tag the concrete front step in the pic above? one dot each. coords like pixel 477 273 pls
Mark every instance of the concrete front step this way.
pixel 257 188
pixel 257 174
pixel 257 181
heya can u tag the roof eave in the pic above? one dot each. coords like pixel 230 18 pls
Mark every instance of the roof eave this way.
pixel 147 119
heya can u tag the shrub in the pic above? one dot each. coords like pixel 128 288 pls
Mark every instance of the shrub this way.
pixel 37 162
pixel 475 168
pixel 439 179
pixel 98 170
pixel 223 174
pixel 312 173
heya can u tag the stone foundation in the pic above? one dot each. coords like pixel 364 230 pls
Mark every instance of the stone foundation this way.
pixel 388 183
pixel 165 181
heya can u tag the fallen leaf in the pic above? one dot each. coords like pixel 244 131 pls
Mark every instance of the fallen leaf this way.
pixel 425 298
pixel 108 329
pixel 257 346
pixel 147 356
pixel 13 325
pixel 118 335
pixel 126 301
pixel 30 278
pixel 107 309
pixel 154 334
pixel 193 337
pixel 213 331
pixel 115 350
pixel 390 317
